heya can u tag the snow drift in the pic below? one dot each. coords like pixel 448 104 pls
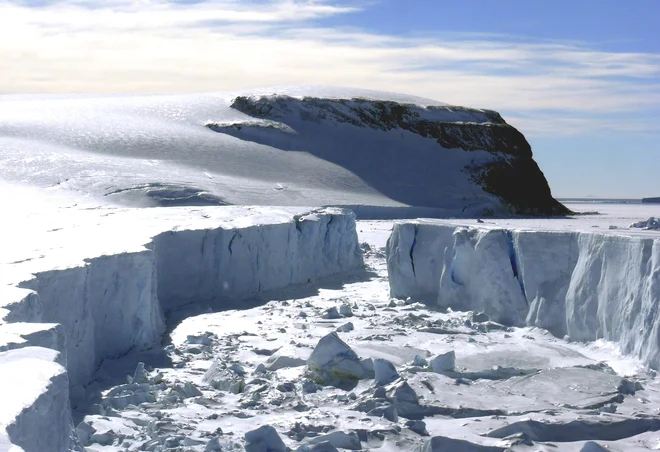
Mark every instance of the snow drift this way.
pixel 110 304
pixel 386 154
pixel 585 285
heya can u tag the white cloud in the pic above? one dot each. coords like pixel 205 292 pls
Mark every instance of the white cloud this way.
pixel 161 46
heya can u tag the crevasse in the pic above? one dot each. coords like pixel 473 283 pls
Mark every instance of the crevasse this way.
pixel 63 323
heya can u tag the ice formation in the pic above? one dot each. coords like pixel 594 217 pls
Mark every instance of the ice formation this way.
pixel 651 223
pixel 334 363
pixel 236 379
pixel 583 285
pixel 34 389
pixel 109 297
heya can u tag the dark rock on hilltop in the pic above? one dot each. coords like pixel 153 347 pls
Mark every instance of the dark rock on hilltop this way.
pixel 511 174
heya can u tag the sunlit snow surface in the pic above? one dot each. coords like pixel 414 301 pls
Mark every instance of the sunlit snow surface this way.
pixel 103 145
pixel 155 150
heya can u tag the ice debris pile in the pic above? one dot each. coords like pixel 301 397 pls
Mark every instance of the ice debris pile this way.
pixel 582 285
pixel 70 316
pixel 650 224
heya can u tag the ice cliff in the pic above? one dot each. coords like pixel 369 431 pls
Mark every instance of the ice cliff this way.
pixel 62 317
pixel 584 285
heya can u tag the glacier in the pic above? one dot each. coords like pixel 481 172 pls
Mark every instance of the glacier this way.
pixel 96 284
pixel 581 284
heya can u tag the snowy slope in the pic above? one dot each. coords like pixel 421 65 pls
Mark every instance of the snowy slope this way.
pixel 215 149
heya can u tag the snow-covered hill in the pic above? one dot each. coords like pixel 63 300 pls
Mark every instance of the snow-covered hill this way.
pixel 385 154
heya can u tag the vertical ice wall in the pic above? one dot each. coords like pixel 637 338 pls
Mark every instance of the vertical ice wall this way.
pixel 35 412
pixel 624 275
pixel 581 284
pixel 115 303
pixel 106 308
pixel 415 259
pixel 229 263
pixel 481 272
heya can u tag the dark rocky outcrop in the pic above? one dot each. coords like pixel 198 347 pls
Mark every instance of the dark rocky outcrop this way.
pixel 511 174
pixel 521 183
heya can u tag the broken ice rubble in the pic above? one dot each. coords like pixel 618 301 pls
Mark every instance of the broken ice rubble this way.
pixel 650 224
pixel 334 363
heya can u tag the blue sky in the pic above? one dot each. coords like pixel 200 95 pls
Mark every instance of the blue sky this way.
pixel 611 163
pixel 581 79
pixel 609 24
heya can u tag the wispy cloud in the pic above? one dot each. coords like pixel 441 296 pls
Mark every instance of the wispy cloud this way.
pixel 179 46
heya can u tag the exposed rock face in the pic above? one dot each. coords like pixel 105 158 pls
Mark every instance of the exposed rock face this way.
pixel 511 173
pixel 521 183
pixel 383 115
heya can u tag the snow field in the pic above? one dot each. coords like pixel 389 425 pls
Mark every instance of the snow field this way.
pixel 109 295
